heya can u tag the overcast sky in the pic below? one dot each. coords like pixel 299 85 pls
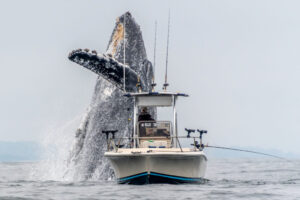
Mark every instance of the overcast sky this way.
pixel 238 60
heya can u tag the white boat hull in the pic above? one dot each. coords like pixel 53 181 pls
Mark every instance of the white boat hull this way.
pixel 142 166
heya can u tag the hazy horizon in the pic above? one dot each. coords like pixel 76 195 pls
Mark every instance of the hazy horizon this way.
pixel 33 151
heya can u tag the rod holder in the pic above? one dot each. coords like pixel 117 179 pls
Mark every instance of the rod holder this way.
pixel 110 134
pixel 165 85
pixel 153 86
pixel 189 131
pixel 201 132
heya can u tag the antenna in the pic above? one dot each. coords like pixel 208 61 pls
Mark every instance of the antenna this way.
pixel 166 74
pixel 124 49
pixel 154 58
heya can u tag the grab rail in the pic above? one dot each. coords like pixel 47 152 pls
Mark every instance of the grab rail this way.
pixel 115 147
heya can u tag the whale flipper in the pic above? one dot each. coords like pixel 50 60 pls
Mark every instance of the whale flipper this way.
pixel 107 67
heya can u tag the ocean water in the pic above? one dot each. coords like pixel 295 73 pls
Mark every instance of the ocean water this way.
pixel 228 179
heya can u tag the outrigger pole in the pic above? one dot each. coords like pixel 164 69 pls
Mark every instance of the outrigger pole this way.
pixel 124 49
pixel 154 53
pixel 154 58
pixel 166 73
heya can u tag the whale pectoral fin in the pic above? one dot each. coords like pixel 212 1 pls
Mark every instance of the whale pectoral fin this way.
pixel 107 67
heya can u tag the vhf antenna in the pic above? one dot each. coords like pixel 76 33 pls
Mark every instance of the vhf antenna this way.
pixel 124 49
pixel 154 58
pixel 166 74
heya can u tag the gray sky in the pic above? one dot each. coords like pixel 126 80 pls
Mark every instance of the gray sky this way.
pixel 237 59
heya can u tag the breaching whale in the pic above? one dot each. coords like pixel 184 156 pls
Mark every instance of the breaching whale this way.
pixel 109 108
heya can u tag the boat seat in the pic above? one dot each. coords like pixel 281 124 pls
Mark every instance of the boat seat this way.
pixel 155 143
pixel 156 147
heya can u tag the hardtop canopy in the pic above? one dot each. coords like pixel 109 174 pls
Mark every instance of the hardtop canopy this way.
pixel 156 99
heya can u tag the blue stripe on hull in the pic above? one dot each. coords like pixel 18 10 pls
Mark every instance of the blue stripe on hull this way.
pixel 153 177
pixel 133 177
pixel 174 177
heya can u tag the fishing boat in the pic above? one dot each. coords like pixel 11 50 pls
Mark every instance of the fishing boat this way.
pixel 155 154
pixel 152 153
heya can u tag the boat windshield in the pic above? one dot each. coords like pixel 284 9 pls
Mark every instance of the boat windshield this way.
pixel 154 129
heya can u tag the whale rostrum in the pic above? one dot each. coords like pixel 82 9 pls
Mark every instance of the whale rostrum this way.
pixel 109 108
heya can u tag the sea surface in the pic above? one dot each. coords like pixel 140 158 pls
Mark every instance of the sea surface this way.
pixel 233 178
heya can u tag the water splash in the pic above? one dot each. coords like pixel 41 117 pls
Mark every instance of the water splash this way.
pixel 57 145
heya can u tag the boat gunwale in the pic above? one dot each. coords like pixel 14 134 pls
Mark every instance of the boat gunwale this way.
pixel 156 154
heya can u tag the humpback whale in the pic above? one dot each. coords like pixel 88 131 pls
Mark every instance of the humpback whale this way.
pixel 109 108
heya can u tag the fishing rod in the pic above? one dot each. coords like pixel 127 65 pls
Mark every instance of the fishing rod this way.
pixel 202 146
pixel 243 150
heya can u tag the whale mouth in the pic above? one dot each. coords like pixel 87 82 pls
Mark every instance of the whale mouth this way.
pixel 107 67
pixel 119 34
pixel 117 38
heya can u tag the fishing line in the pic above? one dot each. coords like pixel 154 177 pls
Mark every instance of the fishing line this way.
pixel 242 150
